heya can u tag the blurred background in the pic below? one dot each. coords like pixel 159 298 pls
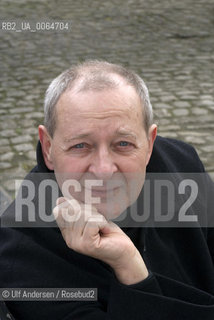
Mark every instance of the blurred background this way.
pixel 169 43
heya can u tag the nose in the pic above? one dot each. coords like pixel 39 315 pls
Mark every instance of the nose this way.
pixel 103 165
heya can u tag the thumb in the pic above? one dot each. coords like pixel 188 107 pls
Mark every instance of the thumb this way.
pixel 110 227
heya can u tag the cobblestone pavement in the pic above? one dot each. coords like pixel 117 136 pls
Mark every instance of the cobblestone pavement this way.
pixel 169 43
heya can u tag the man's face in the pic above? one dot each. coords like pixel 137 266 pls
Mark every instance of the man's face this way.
pixel 99 136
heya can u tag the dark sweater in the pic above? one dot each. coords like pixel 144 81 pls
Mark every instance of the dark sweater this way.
pixel 180 260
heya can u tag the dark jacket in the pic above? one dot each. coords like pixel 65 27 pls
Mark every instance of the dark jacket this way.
pixel 180 260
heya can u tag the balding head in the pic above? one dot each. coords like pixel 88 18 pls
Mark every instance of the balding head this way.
pixel 94 75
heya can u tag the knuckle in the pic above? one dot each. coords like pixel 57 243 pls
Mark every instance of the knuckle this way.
pixel 68 241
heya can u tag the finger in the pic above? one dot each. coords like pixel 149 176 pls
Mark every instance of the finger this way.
pixel 72 231
pixel 64 204
pixel 76 229
pixel 60 200
pixel 111 227
pixel 94 224
pixel 63 212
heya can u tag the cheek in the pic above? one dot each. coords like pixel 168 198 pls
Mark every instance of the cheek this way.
pixel 73 169
pixel 136 163
pixel 68 164
pixel 142 160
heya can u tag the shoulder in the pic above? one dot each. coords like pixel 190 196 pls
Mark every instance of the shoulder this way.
pixel 171 155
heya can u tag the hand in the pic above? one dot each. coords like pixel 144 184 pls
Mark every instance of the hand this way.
pixel 88 232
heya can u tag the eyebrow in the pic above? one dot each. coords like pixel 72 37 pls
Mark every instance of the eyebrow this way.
pixel 79 136
pixel 121 133
pixel 128 134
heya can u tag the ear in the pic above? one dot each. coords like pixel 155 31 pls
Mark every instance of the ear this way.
pixel 46 142
pixel 151 139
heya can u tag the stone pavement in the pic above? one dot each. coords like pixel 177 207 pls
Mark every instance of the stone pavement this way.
pixel 169 43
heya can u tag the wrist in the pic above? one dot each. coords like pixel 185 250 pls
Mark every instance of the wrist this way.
pixel 132 271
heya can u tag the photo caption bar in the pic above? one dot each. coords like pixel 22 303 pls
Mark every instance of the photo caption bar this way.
pixel 48 294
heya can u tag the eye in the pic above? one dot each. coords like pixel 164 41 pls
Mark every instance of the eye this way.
pixel 124 144
pixel 79 146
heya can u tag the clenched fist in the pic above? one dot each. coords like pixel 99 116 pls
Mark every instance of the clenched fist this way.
pixel 88 232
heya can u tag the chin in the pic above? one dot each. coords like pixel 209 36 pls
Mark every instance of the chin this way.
pixel 111 210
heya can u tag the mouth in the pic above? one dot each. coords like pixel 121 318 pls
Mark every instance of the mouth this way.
pixel 103 192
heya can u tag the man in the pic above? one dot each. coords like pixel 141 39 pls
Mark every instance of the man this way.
pixel 98 140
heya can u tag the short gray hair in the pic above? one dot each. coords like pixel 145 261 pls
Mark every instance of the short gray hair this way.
pixel 94 75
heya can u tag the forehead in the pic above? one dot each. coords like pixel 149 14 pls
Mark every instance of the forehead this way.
pixel 122 100
pixel 101 113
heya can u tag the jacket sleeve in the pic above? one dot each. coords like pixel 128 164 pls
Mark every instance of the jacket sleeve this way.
pixel 160 298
